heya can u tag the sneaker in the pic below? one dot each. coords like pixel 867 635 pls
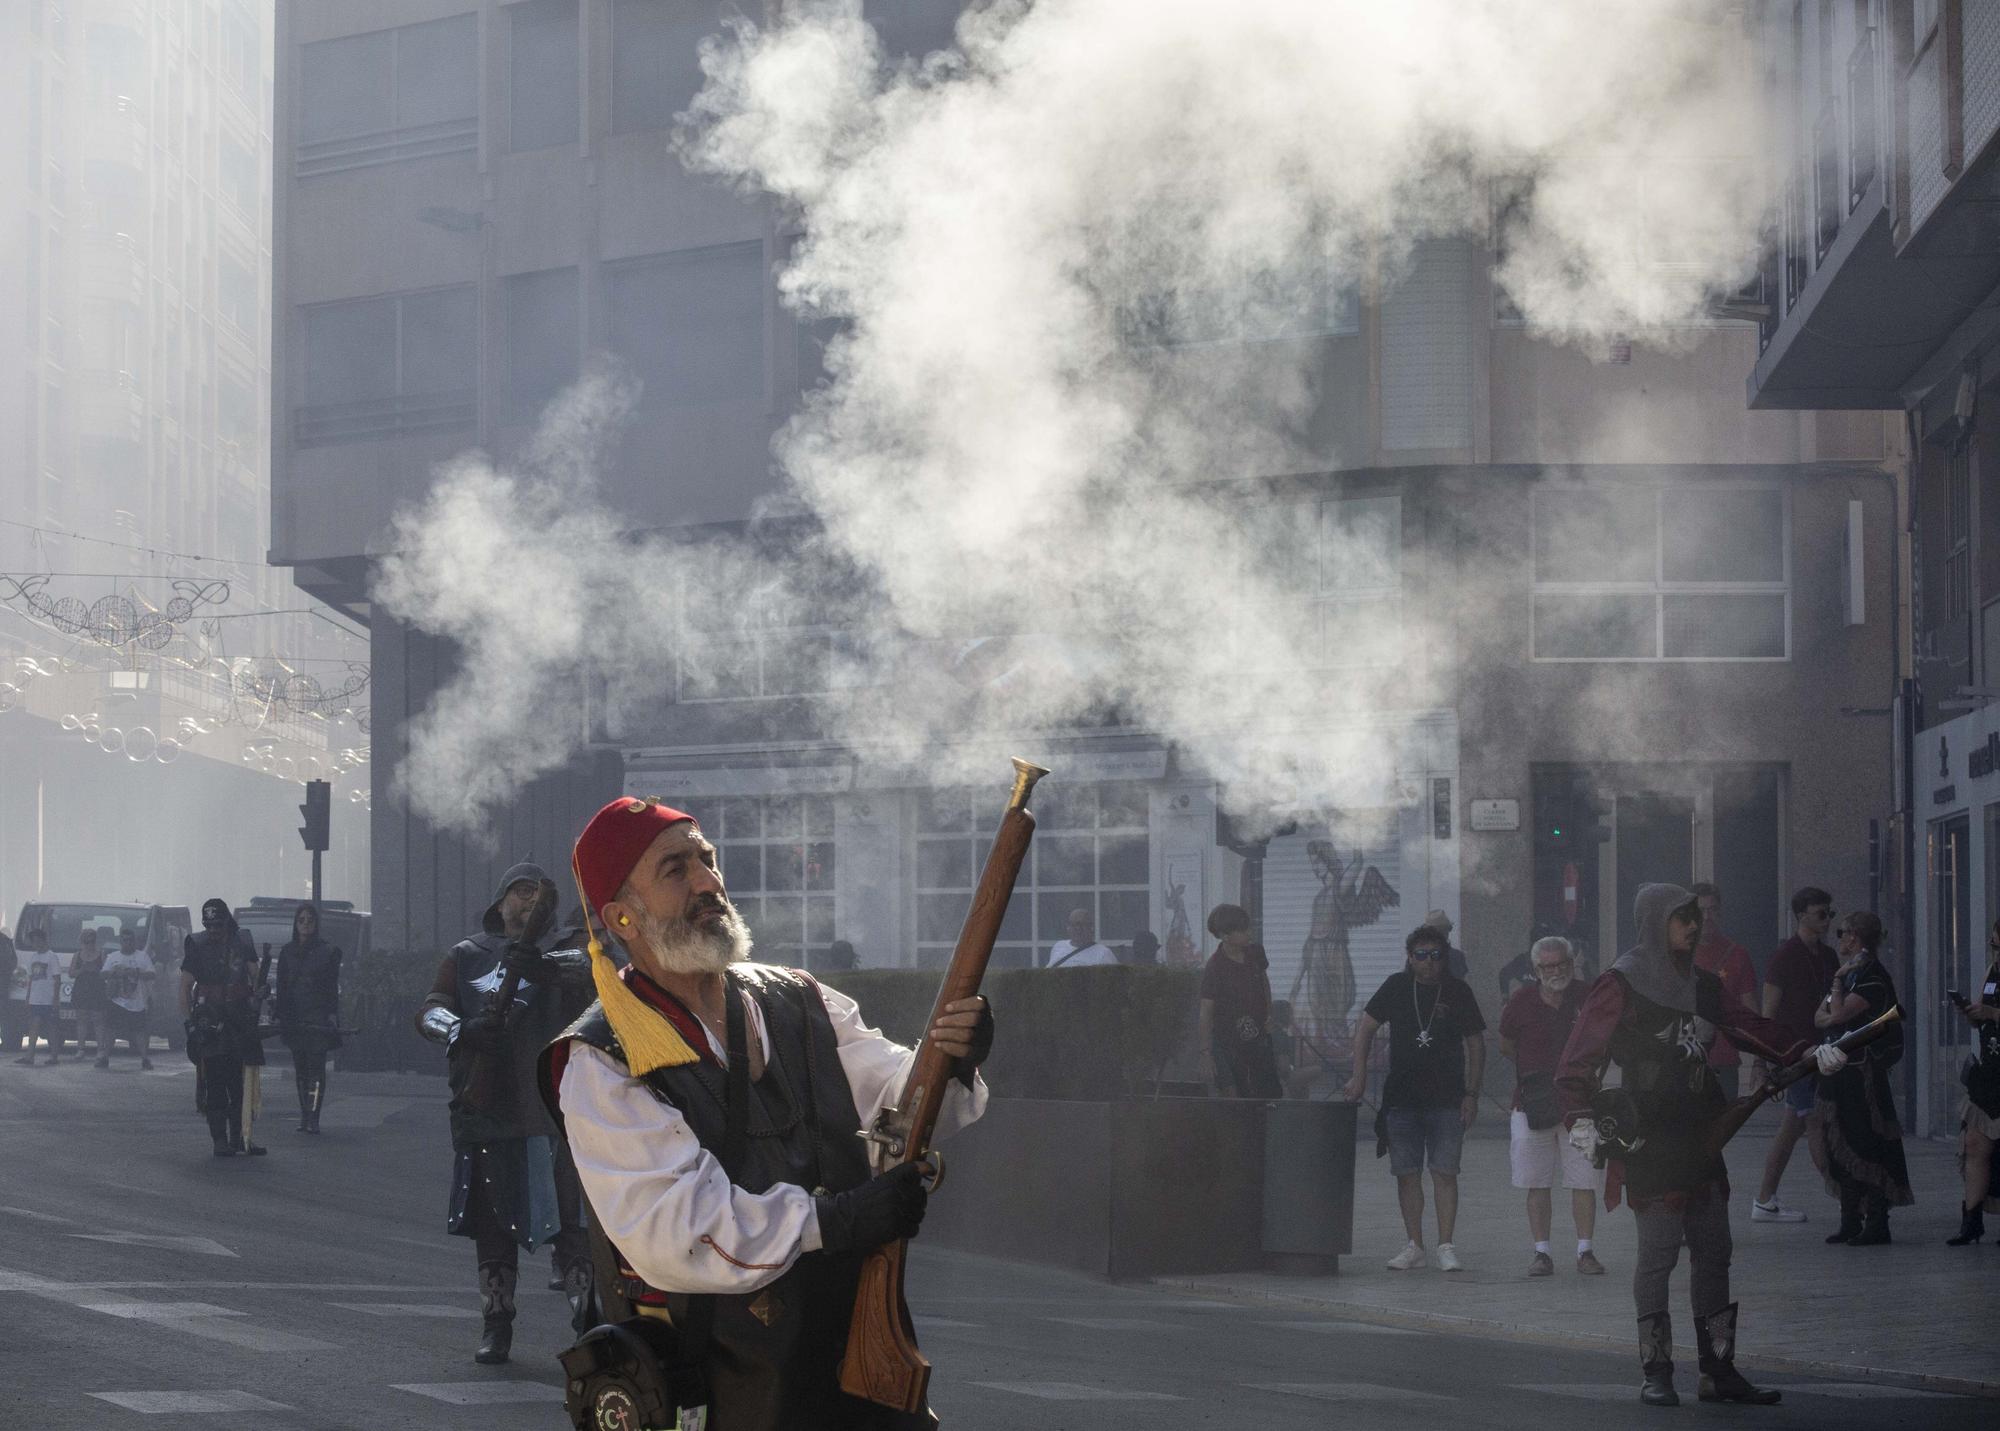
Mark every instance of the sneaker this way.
pixel 1588 1265
pixel 1774 1211
pixel 1448 1258
pixel 1543 1265
pixel 1409 1259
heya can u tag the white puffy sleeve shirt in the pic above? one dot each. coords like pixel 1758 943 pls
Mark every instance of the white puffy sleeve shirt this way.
pixel 664 1200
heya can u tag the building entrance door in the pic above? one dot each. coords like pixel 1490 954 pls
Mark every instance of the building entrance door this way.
pixel 1655 834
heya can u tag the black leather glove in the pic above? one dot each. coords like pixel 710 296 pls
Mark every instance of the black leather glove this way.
pixel 484 1031
pixel 525 962
pixel 881 1210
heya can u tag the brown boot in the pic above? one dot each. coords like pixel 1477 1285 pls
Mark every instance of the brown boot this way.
pixel 1715 1336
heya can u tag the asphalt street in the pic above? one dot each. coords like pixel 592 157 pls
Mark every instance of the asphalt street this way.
pixel 145 1282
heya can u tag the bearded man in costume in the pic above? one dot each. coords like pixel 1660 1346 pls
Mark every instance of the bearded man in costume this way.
pixel 1655 1013
pixel 512 1185
pixel 712 1106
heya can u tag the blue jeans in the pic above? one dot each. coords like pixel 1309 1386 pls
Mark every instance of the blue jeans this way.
pixel 1418 1136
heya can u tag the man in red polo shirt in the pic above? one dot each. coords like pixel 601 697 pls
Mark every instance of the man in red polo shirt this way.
pixel 1729 962
pixel 1795 982
pixel 1533 1029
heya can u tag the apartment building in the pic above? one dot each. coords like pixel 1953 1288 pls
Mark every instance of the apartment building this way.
pixel 134 233
pixel 1881 300
pixel 1619 613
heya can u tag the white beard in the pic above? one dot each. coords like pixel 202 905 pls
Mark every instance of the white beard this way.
pixel 681 947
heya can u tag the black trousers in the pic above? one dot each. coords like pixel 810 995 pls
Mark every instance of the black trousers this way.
pixel 222 1095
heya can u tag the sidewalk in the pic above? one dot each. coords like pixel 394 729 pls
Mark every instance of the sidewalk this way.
pixel 1915 1313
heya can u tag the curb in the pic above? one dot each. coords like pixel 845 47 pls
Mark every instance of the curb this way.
pixel 1577 1341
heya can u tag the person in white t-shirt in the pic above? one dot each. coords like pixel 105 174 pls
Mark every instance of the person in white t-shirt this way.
pixel 129 975
pixel 1081 949
pixel 44 968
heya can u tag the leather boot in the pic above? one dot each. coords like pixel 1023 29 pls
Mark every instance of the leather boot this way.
pixel 218 1132
pixel 318 1099
pixel 1715 1338
pixel 1850 1215
pixel 1874 1224
pixel 579 1291
pixel 304 1085
pixel 496 1305
pixel 1656 1360
pixel 1971 1226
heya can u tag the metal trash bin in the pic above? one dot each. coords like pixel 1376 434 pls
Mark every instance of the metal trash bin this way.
pixel 1308 1185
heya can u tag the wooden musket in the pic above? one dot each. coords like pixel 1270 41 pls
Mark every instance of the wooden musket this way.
pixel 882 1363
pixel 1731 1120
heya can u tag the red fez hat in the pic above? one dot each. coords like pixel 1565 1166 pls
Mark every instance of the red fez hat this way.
pixel 612 842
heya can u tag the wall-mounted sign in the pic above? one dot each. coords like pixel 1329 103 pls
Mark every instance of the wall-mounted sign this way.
pixel 1496 815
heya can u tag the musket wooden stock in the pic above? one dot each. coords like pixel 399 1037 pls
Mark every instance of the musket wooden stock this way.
pixel 1731 1120
pixel 882 1363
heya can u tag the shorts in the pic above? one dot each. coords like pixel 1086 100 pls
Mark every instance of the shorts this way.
pixel 1536 1153
pixel 1421 1136
pixel 1801 1096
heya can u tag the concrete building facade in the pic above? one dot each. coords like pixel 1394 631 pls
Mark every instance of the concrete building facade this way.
pixel 1605 594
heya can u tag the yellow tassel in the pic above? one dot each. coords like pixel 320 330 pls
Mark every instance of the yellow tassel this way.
pixel 649 1041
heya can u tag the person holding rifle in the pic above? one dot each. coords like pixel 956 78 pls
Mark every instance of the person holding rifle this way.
pixel 1655 1013
pixel 1979 1119
pixel 220 985
pixel 1854 1132
pixel 499 996
pixel 712 1105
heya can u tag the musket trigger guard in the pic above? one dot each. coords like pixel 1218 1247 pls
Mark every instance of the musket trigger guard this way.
pixel 933 1164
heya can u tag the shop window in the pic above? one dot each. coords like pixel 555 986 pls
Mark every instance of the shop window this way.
pixel 777 859
pixel 1091 851
pixel 1647 574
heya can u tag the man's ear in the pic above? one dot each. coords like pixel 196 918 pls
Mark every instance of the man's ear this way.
pixel 619 919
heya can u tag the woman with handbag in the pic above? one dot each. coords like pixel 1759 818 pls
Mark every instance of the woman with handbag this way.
pixel 1979 1119
pixel 1853 1127
pixel 1534 1026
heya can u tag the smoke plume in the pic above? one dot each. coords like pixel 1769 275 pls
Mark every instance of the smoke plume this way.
pixel 1083 268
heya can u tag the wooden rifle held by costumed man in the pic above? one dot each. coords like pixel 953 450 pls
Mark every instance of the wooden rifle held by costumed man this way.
pixel 882 1363
pixel 1731 1119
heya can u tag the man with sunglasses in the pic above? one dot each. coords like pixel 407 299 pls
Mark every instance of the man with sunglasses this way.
pixel 1437 1054
pixel 1793 985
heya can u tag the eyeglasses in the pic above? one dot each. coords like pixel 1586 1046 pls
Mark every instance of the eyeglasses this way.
pixel 1427 953
pixel 1552 968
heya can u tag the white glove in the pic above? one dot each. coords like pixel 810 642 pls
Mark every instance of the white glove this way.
pixel 1583 1137
pixel 1830 1059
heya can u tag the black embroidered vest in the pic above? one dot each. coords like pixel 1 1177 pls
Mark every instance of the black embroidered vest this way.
pixel 1662 1055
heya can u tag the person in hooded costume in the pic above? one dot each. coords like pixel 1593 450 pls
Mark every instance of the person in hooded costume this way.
pixel 512 1184
pixel 308 1009
pixel 712 1105
pixel 220 987
pixel 1655 1013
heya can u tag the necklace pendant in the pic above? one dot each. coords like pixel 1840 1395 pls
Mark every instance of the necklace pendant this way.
pixel 1423 1038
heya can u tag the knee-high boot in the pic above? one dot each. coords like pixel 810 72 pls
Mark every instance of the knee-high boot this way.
pixel 1656 1360
pixel 1874 1222
pixel 303 1080
pixel 1850 1214
pixel 1715 1338
pixel 496 1306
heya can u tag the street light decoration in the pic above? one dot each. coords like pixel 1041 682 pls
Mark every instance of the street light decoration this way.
pixel 115 621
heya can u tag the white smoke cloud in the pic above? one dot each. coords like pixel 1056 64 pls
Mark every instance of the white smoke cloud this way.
pixel 1020 439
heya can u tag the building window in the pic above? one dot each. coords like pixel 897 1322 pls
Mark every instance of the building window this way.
pixel 692 325
pixel 1090 851
pixel 544 110
pixel 1958 533
pixel 777 858
pixel 1316 300
pixel 542 319
pixel 408 93
pixel 1662 574
pixel 242 51
pixel 1341 559
pixel 236 415
pixel 236 165
pixel 656 59
pixel 236 293
pixel 378 367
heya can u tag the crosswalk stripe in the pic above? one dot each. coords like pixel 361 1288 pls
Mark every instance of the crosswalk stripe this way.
pixel 158 1311
pixel 1859 1391
pixel 408 1309
pixel 1364 1328
pixel 1584 1390
pixel 206 1246
pixel 187 1403
pixel 482 1393
pixel 1073 1391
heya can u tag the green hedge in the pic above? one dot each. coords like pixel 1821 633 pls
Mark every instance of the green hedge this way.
pixel 1093 1033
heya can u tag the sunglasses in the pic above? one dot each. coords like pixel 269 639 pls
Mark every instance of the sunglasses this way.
pixel 1427 953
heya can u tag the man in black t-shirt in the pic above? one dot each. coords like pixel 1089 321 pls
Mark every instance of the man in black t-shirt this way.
pixel 1437 1056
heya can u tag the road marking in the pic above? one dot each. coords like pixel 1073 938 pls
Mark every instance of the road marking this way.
pixel 1112 1324
pixel 414 1309
pixel 483 1393
pixel 1365 1328
pixel 34 1216
pixel 250 1336
pixel 206 1246
pixel 158 1311
pixel 1345 1391
pixel 1584 1390
pixel 1859 1391
pixel 947 1322
pixel 1073 1391
pixel 187 1403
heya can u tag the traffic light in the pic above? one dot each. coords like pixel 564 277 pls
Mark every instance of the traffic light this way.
pixel 318 811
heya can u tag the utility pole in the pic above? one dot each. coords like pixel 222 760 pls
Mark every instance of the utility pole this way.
pixel 318 811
